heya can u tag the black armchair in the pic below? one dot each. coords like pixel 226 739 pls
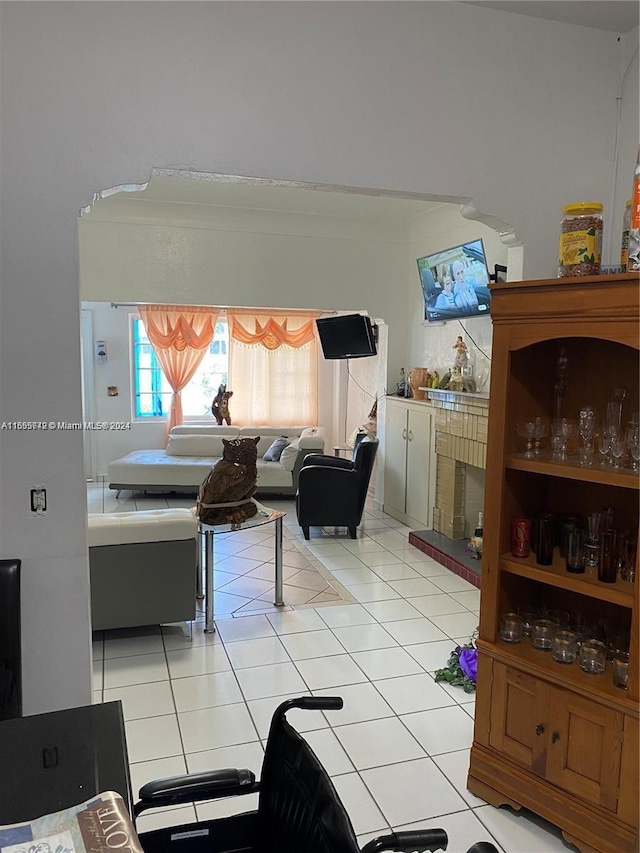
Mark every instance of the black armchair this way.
pixel 332 491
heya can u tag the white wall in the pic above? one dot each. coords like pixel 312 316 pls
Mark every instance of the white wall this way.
pixel 98 94
pixel 430 344
pixel 194 254
pixel 112 325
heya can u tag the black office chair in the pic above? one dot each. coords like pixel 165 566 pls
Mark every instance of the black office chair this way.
pixel 332 491
pixel 299 810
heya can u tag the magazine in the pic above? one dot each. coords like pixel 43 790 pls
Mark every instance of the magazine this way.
pixel 99 825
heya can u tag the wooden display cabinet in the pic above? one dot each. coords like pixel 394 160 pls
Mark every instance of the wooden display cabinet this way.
pixel 548 736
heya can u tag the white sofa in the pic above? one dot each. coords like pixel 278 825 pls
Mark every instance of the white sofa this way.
pixel 192 450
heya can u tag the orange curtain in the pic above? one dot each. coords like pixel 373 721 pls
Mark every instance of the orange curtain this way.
pixel 271 334
pixel 274 368
pixel 179 335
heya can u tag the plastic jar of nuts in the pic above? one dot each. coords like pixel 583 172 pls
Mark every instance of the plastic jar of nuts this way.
pixel 580 239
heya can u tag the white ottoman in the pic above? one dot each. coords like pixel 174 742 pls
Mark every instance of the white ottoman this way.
pixel 142 567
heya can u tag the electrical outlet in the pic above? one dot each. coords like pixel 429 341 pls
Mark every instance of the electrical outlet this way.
pixel 39 500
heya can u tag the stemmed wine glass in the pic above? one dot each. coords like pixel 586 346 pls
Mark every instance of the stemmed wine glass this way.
pixel 562 429
pixel 541 430
pixel 633 443
pixel 587 429
pixel 527 430
pixel 604 445
pixel 617 450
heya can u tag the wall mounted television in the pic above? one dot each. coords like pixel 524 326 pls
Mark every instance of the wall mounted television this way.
pixel 455 283
pixel 346 336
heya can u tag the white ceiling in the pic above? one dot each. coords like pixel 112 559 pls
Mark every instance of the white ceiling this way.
pixel 615 16
pixel 257 194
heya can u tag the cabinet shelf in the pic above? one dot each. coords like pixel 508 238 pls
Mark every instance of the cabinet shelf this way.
pixel 571 469
pixel 621 592
pixel 539 663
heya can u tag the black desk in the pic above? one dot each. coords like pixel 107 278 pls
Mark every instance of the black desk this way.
pixel 53 761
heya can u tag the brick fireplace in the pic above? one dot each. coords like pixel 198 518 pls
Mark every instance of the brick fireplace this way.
pixel 461 421
pixel 461 452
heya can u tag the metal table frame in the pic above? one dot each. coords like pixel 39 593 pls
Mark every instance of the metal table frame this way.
pixel 206 533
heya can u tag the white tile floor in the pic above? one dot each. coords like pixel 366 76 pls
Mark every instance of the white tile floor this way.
pixel 398 750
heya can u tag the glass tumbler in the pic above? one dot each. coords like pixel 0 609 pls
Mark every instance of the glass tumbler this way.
pixel 511 628
pixel 565 647
pixel 542 634
pixel 593 655
pixel 607 567
pixel 545 540
pixel 529 616
pixel 575 555
pixel 621 670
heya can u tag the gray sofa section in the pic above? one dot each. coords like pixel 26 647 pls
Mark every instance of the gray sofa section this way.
pixel 143 568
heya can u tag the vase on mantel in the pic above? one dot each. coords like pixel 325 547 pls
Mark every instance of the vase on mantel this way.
pixel 418 378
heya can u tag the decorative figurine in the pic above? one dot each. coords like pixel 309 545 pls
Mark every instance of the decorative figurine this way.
pixel 220 405
pixel 462 356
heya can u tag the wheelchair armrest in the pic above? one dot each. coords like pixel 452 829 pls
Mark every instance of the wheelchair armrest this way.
pixel 188 788
pixel 418 840
pixel 327 461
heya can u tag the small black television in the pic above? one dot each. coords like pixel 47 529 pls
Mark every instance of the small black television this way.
pixel 455 283
pixel 346 336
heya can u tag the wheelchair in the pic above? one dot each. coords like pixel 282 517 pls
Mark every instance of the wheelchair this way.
pixel 299 810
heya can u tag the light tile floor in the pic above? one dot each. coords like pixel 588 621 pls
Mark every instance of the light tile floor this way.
pixel 398 750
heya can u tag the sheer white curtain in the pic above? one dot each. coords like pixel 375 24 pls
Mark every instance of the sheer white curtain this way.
pixel 273 369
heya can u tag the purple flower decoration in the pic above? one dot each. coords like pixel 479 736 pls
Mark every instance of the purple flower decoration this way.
pixel 468 660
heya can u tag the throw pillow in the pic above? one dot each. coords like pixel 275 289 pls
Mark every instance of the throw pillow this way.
pixel 274 453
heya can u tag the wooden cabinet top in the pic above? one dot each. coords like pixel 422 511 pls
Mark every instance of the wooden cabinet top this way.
pixel 614 298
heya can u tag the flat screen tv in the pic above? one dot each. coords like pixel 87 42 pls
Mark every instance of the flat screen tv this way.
pixel 455 283
pixel 346 336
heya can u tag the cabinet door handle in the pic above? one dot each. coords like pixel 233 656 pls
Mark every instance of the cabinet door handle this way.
pixel 554 737
pixel 404 434
pixel 539 729
pixel 410 435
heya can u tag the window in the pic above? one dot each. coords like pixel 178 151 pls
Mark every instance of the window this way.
pixel 152 392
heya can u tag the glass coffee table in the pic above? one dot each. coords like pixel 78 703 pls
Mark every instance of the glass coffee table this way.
pixel 207 532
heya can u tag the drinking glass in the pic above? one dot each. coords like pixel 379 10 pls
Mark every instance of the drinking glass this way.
pixel 624 546
pixel 560 617
pixel 613 417
pixel 511 627
pixel 593 656
pixel 542 634
pixel 592 543
pixel 545 540
pixel 527 430
pixel 617 451
pixel 541 431
pixel 564 648
pixel 633 443
pixel 562 429
pixel 528 615
pixel 576 552
pixel 621 670
pixel 586 456
pixel 607 571
pixel 604 443
pixel 587 425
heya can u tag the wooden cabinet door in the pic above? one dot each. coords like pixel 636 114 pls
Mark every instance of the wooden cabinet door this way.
pixel 584 748
pixel 395 457
pixel 519 709
pixel 418 466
